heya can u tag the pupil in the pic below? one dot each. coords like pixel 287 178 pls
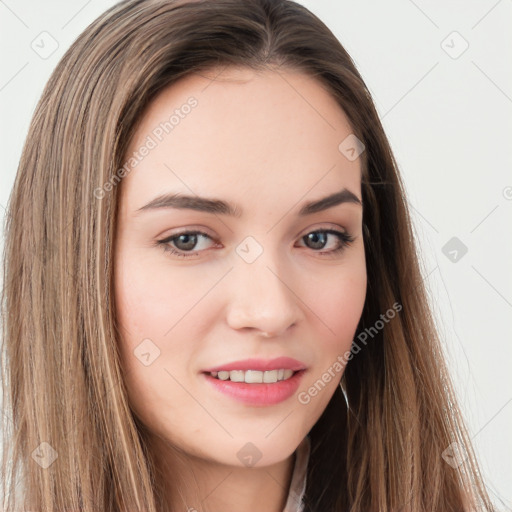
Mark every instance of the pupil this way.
pixel 314 237
pixel 191 243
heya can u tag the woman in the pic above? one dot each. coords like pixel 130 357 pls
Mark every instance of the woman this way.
pixel 194 329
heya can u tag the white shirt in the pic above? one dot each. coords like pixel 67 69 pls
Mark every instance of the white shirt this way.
pixel 298 483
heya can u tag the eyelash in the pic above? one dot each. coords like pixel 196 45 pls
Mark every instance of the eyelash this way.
pixel 345 239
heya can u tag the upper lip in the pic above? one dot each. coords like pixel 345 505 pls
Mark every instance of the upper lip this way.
pixel 260 364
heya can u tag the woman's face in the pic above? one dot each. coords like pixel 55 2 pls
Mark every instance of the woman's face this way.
pixel 260 147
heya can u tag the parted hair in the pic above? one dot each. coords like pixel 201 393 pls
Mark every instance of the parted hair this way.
pixel 377 446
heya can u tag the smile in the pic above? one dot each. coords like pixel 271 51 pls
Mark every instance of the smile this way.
pixel 254 376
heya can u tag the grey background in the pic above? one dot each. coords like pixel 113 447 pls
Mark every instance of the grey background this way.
pixel 447 112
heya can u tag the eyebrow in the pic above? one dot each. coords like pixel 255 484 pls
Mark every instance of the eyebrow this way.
pixel 218 206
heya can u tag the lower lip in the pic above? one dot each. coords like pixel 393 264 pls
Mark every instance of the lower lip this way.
pixel 260 393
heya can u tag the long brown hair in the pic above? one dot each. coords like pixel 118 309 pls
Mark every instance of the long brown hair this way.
pixel 378 445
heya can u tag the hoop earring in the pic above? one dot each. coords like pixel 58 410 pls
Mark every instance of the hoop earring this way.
pixel 366 231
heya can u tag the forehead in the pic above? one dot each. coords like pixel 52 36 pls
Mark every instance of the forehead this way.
pixel 241 132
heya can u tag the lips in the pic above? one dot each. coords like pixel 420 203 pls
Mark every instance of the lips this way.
pixel 270 382
pixel 278 363
pixel 256 394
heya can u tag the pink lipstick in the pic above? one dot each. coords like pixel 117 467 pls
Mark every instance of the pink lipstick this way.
pixel 257 382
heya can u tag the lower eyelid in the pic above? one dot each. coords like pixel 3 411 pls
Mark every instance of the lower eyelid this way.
pixel 166 243
pixel 344 239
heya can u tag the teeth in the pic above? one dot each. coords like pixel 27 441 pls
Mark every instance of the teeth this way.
pixel 253 376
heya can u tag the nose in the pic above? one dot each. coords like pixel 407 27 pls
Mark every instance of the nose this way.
pixel 263 297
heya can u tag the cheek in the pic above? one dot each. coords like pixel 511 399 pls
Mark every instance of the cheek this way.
pixel 338 299
pixel 339 305
pixel 151 308
pixel 343 307
pixel 152 300
pixel 164 315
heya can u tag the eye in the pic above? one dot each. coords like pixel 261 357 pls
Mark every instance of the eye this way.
pixel 318 239
pixel 183 244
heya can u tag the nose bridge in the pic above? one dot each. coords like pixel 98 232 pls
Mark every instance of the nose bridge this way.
pixel 262 295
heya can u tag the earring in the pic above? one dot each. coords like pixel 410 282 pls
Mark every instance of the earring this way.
pixel 366 231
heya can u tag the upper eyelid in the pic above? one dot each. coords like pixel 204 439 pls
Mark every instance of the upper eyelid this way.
pixel 168 238
pixel 202 232
pixel 327 226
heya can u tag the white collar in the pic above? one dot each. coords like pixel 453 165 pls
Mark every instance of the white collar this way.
pixel 294 502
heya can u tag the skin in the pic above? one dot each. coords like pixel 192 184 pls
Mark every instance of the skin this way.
pixel 267 142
